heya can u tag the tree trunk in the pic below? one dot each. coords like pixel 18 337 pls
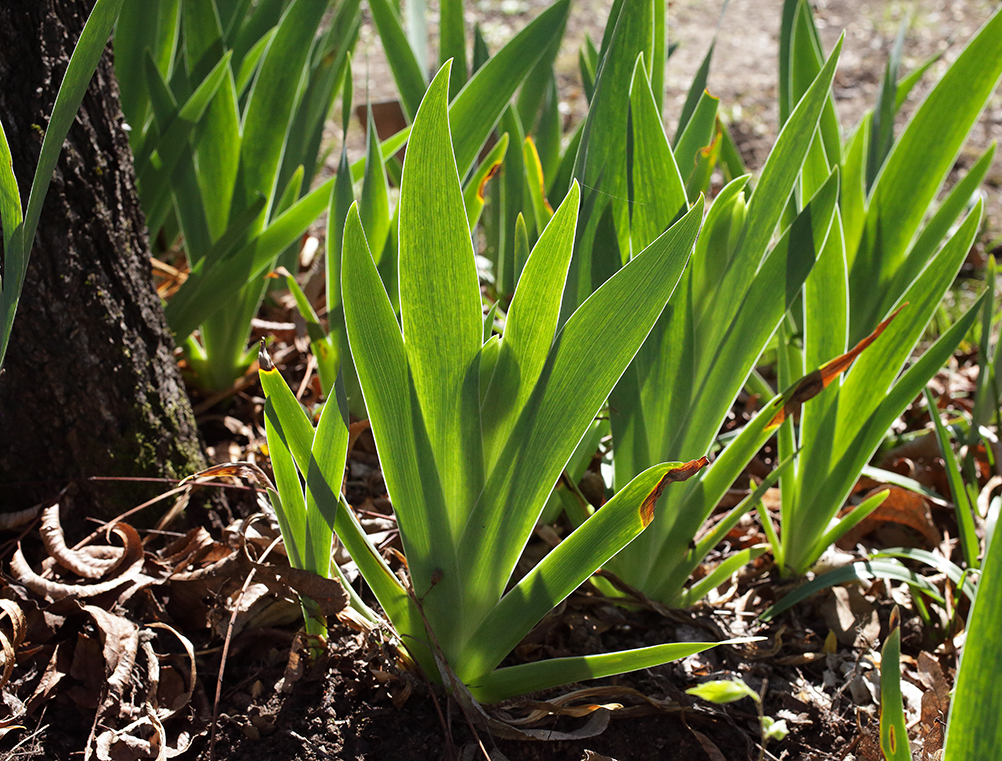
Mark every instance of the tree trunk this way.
pixel 89 386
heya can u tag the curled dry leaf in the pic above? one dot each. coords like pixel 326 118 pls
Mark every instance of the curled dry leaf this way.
pixel 54 672
pixel 169 700
pixel 246 471
pixel 131 561
pixel 129 692
pixel 142 739
pixel 89 565
pixel 188 549
pixel 576 703
pixel 709 747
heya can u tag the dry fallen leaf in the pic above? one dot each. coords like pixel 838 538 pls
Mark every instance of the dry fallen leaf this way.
pixel 851 617
pixel 128 568
pixel 87 562
pixel 900 506
pixel 935 706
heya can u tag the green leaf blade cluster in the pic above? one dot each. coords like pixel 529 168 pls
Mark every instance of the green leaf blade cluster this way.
pixel 469 461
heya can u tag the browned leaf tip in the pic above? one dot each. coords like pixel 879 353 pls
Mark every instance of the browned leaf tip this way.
pixel 487 178
pixel 681 473
pixel 263 359
pixel 534 157
pixel 831 370
pixel 815 382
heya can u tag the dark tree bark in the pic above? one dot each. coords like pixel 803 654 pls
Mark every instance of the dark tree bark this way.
pixel 90 386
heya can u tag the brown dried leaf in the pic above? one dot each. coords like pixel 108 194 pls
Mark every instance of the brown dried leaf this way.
pixel 327 593
pixel 576 703
pixel 985 495
pixel 51 677
pixel 354 431
pixel 188 549
pixel 54 590
pixel 935 705
pixel 121 646
pixel 88 668
pixel 19 625
pixel 852 617
pixel 709 747
pixel 131 561
pixel 246 471
pixel 900 506
pixel 171 700
pixel 83 564
pixel 141 740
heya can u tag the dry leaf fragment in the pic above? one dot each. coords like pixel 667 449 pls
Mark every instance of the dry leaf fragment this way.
pixel 131 561
pixel 709 747
pixel 88 565
pixel 327 593
pixel 354 431
pixel 171 700
pixel 143 739
pixel 19 625
pixel 852 617
pixel 900 506
pixel 120 647
pixel 934 707
pixel 985 495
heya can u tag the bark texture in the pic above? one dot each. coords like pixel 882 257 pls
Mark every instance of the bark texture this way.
pixel 90 386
